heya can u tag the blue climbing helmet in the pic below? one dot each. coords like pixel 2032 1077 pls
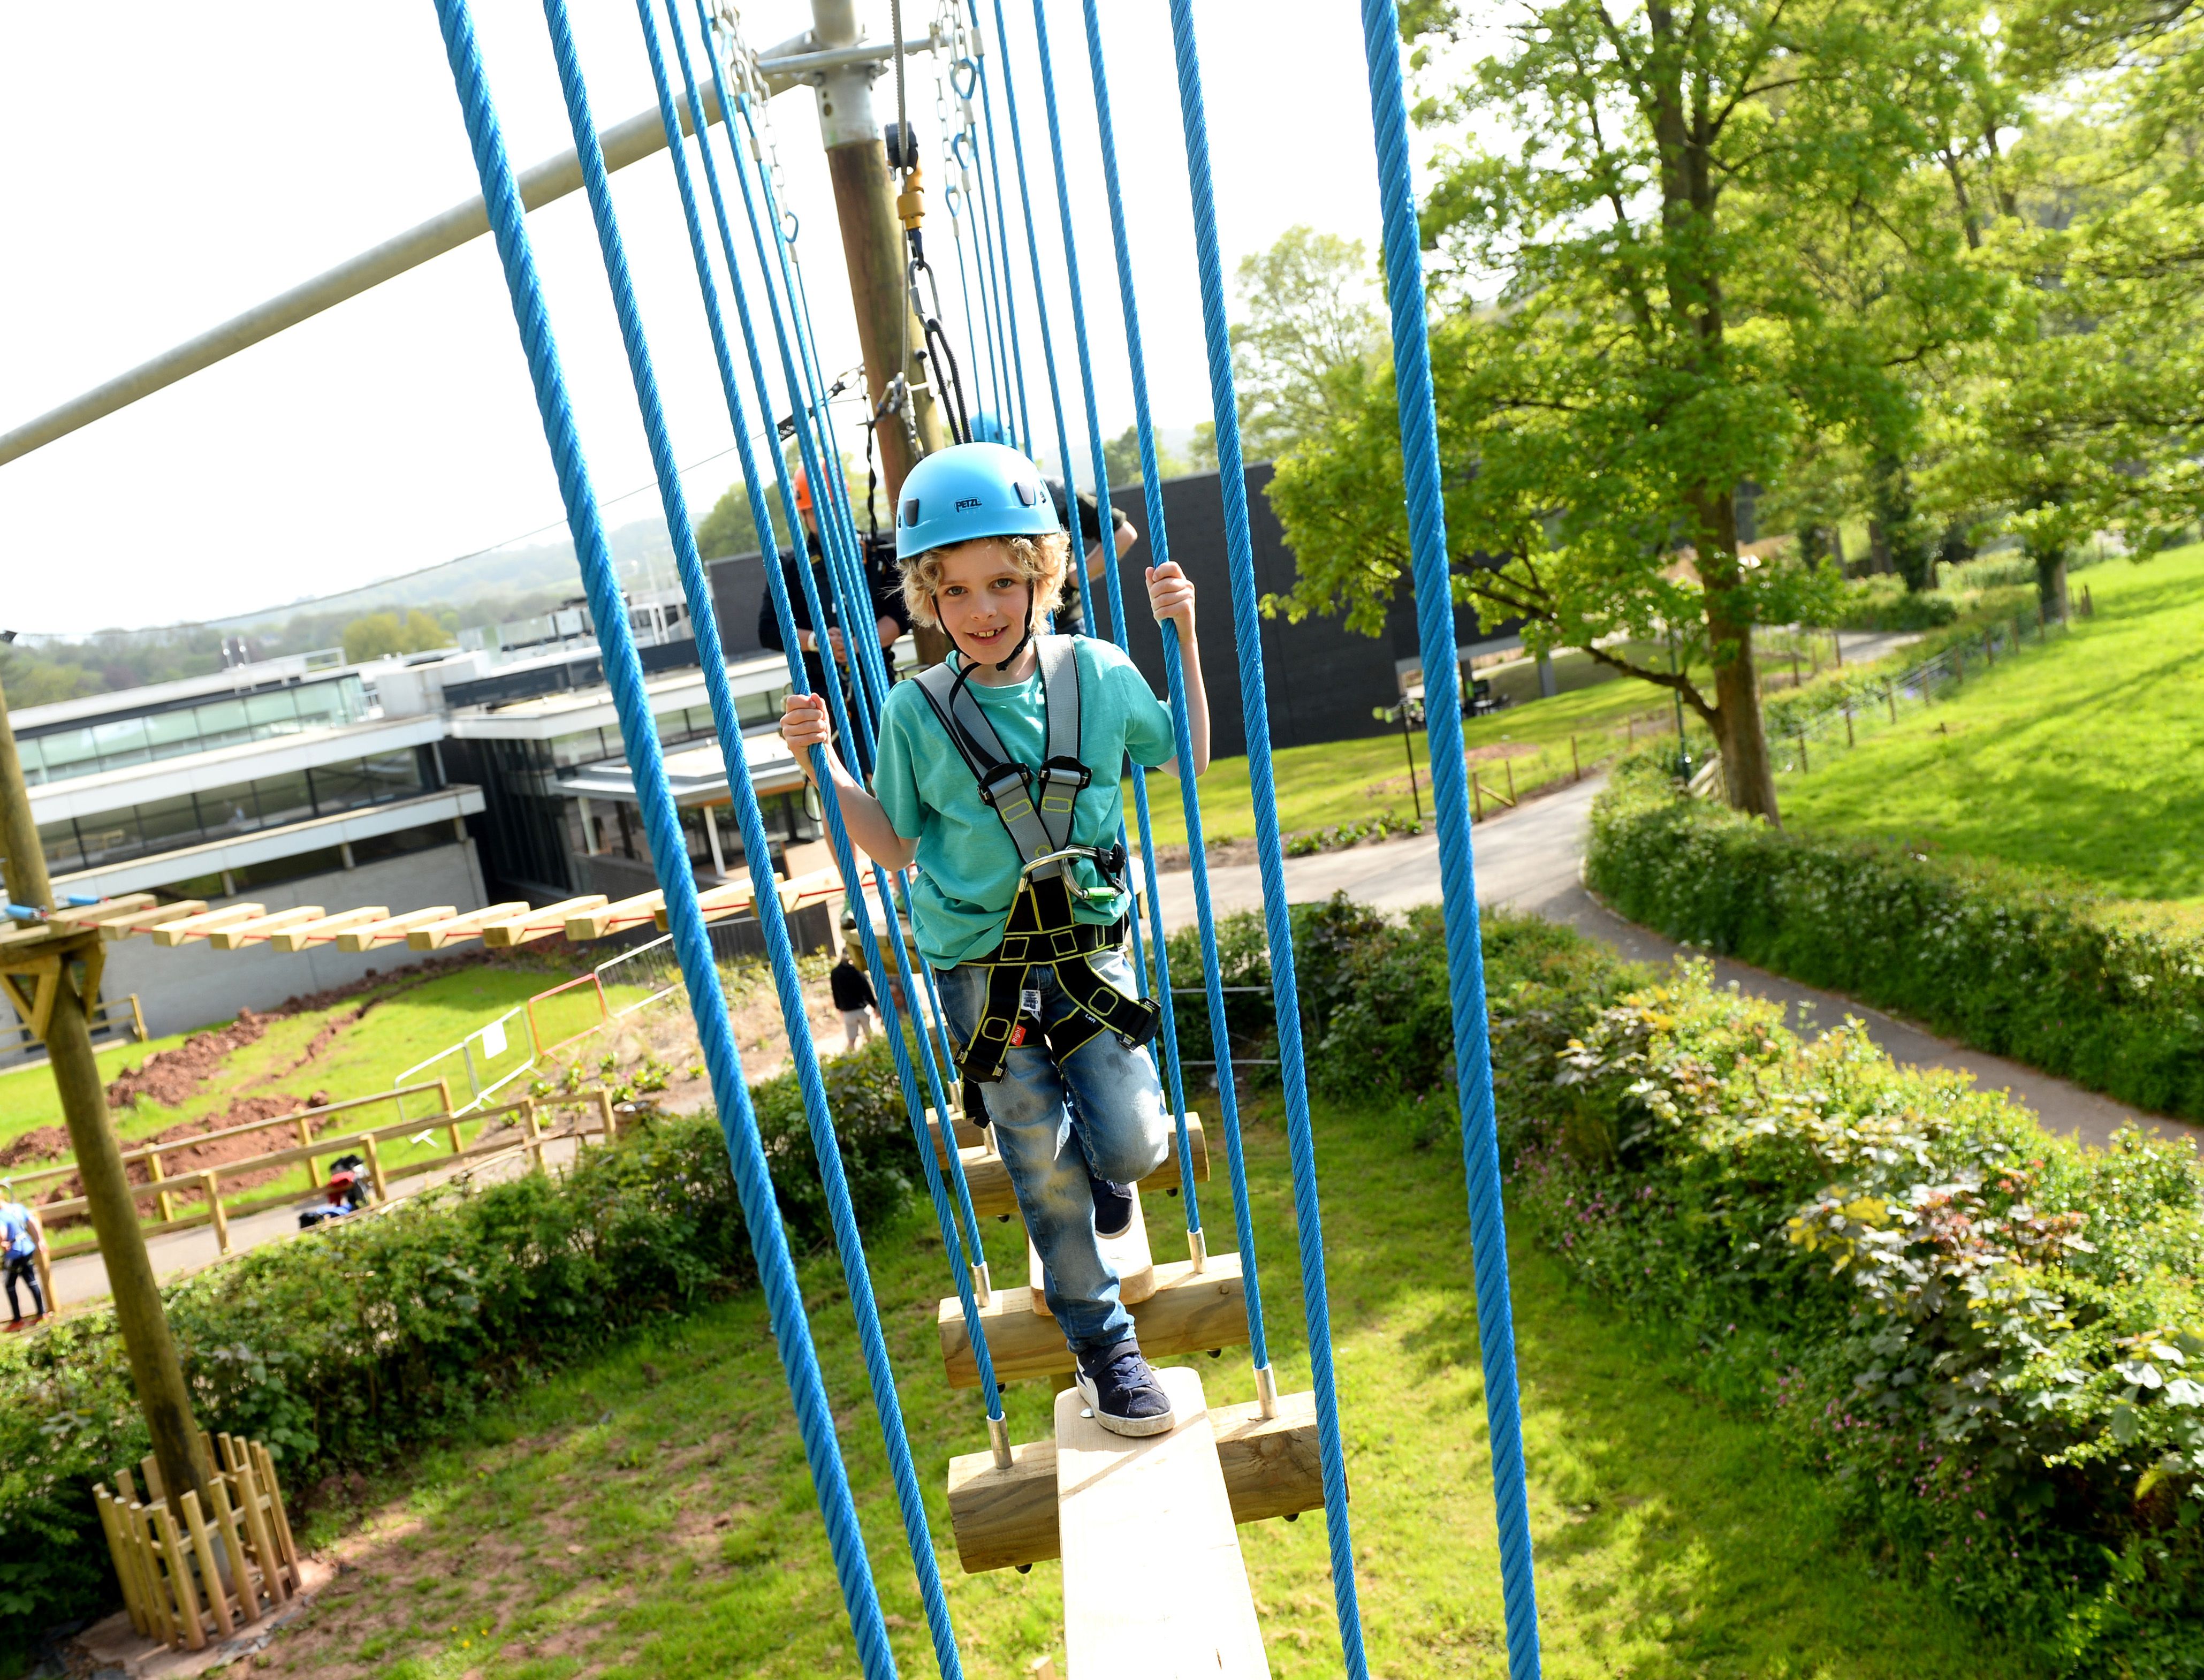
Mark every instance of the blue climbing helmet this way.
pixel 971 490
pixel 986 429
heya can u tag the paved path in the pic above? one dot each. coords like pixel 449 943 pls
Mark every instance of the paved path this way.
pixel 1530 859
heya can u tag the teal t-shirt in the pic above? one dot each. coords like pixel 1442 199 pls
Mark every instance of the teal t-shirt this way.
pixel 967 865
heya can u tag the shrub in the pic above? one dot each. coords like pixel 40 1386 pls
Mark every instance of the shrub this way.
pixel 341 1348
pixel 2024 964
pixel 1884 603
pixel 1990 1341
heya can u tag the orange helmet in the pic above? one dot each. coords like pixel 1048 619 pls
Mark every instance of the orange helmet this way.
pixel 802 491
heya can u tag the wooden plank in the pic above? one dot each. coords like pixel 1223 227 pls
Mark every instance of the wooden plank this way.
pixel 1190 1312
pixel 989 1180
pixel 1127 1254
pixel 326 929
pixel 99 915
pixel 456 930
pixel 539 924
pixel 1004 1519
pixel 240 934
pixel 185 929
pixel 144 921
pixel 391 930
pixel 718 904
pixel 1153 1581
pixel 612 917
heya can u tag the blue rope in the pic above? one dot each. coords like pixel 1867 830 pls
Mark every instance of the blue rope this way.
pixel 849 1241
pixel 1146 963
pixel 669 852
pixel 776 585
pixel 1048 338
pixel 1308 1216
pixel 1003 245
pixel 1420 450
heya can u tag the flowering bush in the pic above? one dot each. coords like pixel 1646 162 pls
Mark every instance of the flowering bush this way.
pixel 1992 1341
pixel 2023 964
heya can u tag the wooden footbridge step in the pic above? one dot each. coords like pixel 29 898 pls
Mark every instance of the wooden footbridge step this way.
pixel 1190 1312
pixel 1153 1582
pixel 1006 1518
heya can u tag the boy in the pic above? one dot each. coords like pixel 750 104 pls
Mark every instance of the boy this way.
pixel 21 1239
pixel 998 773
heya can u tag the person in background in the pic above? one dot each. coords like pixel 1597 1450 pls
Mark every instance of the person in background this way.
pixel 1071 617
pixel 883 583
pixel 854 1000
pixel 21 1237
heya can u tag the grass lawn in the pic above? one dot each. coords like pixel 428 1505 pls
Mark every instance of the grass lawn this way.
pixel 1349 781
pixel 2081 757
pixel 650 1515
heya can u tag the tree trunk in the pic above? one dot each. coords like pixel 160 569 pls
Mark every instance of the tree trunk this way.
pixel 1747 773
pixel 2051 581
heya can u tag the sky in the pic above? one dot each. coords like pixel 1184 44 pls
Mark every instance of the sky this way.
pixel 165 179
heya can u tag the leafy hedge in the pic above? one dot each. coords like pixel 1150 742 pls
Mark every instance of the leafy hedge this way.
pixel 1989 1341
pixel 342 1348
pixel 2020 964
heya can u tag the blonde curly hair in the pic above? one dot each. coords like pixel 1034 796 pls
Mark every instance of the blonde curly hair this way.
pixel 1045 562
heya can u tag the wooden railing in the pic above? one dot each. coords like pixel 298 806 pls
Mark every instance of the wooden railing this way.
pixel 205 1184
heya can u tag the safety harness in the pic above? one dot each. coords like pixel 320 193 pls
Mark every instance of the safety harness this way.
pixel 1037 813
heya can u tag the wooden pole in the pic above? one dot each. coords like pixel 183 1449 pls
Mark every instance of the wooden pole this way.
pixel 374 1151
pixel 159 1174
pixel 216 1212
pixel 888 334
pixel 155 1371
pixel 1576 766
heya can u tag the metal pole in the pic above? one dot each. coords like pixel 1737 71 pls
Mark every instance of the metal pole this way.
pixel 155 1371
pixel 1409 747
pixel 630 142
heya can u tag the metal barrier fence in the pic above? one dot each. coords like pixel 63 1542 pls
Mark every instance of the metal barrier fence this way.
pixel 500 1051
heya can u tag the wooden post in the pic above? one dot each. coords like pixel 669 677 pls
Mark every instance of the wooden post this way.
pixel 604 1113
pixel 534 1130
pixel 1959 662
pixel 43 1261
pixel 305 1129
pixel 233 1544
pixel 1849 741
pixel 180 1578
pixel 145 1536
pixel 159 1174
pixel 137 1018
pixel 212 1185
pixel 1890 694
pixel 210 1569
pixel 374 1152
pixel 1802 751
pixel 1508 765
pixel 1576 767
pixel 1476 798
pixel 280 1523
pixel 155 1371
pixel 122 1552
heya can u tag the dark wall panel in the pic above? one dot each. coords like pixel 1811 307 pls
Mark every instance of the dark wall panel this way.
pixel 1322 679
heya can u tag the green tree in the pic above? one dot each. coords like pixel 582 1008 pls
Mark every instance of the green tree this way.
pixel 1309 327
pixel 1121 456
pixel 1707 240
pixel 380 634
pixel 728 529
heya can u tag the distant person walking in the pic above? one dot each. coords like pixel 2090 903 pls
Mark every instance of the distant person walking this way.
pixel 21 1237
pixel 853 997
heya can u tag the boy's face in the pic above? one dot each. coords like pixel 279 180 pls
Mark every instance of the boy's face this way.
pixel 982 599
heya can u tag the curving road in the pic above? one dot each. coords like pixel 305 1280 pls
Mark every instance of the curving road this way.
pixel 1531 860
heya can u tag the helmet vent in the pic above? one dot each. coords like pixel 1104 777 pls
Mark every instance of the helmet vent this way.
pixel 910 512
pixel 1028 492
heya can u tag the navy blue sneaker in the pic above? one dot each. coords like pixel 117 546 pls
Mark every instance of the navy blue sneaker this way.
pixel 1113 1208
pixel 1123 1393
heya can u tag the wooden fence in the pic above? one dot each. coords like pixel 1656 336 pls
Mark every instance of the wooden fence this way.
pixel 205 1184
pixel 189 1572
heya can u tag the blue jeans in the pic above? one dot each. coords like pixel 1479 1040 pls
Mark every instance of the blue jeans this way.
pixel 1101 1112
